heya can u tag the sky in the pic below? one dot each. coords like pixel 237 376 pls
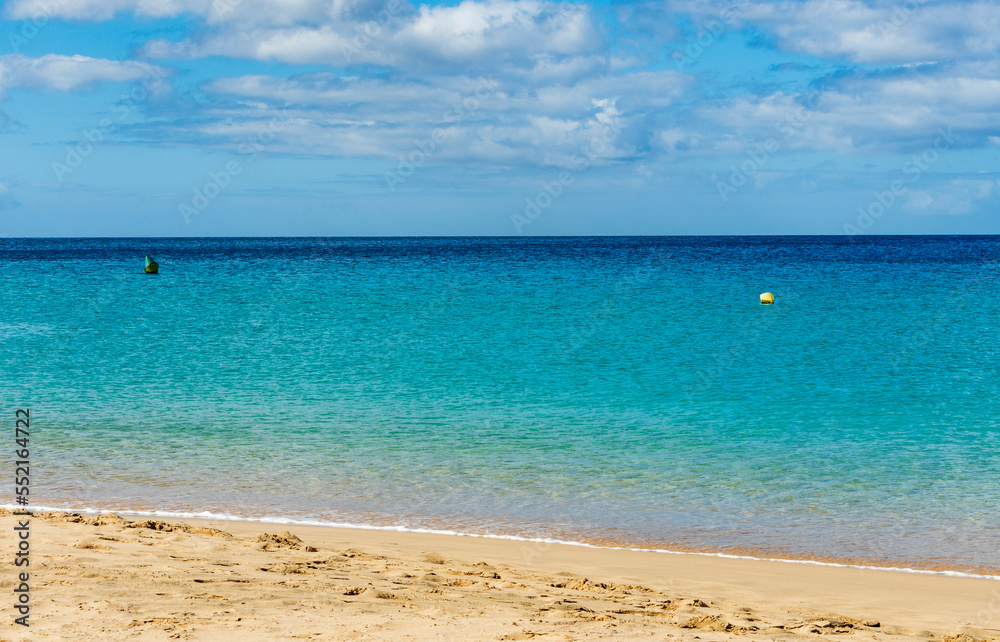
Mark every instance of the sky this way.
pixel 498 117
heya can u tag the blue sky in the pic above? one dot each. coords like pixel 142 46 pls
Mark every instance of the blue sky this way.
pixel 498 117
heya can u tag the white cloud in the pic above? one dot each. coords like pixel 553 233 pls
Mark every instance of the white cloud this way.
pixel 499 27
pixel 955 197
pixel 100 9
pixel 896 111
pixel 274 13
pixel 340 32
pixel 522 33
pixel 868 31
pixel 556 77
pixel 476 118
pixel 327 91
pixel 66 73
pixel 889 31
pixel 7 201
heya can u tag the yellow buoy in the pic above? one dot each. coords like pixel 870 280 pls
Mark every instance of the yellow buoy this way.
pixel 152 267
pixel 767 298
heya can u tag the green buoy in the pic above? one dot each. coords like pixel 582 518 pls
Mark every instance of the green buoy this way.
pixel 152 267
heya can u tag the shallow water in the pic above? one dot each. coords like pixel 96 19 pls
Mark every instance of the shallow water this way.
pixel 626 390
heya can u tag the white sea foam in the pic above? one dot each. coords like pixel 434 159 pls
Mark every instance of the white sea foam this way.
pixel 431 531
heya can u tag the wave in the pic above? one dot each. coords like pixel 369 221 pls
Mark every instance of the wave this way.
pixel 208 515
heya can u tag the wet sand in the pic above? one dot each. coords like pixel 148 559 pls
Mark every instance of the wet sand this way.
pixel 113 578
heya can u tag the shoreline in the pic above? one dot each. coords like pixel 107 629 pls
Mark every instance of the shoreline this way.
pixel 202 579
pixel 744 553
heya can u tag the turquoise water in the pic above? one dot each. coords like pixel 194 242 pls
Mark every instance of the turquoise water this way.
pixel 625 390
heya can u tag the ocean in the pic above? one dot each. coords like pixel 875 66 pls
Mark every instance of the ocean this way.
pixel 612 391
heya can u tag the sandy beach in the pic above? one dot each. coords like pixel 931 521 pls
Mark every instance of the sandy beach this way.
pixel 109 578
